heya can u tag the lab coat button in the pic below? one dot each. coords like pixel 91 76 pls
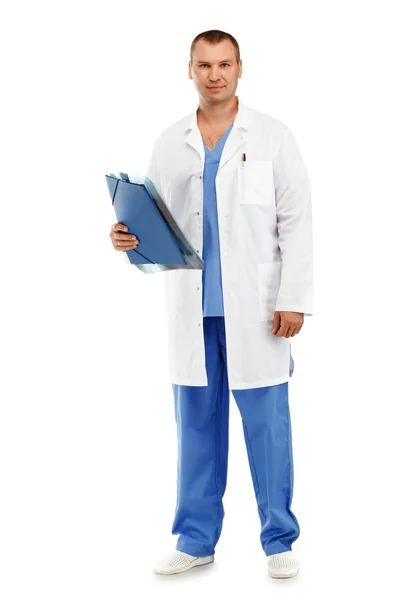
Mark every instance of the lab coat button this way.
pixel 198 213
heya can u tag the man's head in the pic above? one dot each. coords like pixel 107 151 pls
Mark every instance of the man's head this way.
pixel 215 61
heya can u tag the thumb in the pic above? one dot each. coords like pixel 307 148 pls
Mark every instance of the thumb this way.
pixel 276 322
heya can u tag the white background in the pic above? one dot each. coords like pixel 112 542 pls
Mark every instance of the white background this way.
pixel 87 429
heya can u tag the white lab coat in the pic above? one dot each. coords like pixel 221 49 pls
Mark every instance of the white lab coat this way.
pixel 265 232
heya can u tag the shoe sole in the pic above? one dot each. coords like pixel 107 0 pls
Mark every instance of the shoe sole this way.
pixel 284 576
pixel 195 563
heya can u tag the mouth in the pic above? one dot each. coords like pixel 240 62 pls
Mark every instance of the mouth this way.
pixel 216 87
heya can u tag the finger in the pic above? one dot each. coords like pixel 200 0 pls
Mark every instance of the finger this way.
pixel 120 227
pixel 125 236
pixel 125 244
pixel 283 330
pixel 124 248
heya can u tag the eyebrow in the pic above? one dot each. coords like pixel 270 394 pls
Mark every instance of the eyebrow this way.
pixel 208 63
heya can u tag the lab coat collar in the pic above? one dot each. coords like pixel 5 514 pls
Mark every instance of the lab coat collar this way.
pixel 236 138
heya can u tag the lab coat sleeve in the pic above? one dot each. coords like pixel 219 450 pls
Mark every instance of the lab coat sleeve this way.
pixel 153 172
pixel 294 225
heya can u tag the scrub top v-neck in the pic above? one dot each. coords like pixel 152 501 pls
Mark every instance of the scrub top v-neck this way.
pixel 211 276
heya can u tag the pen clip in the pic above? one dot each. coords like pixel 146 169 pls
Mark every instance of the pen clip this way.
pixel 243 159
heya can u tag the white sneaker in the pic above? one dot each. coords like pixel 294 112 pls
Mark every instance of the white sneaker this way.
pixel 177 562
pixel 283 564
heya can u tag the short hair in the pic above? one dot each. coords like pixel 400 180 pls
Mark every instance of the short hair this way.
pixel 214 36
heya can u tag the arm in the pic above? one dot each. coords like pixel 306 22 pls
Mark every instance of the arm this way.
pixel 294 224
pixel 154 167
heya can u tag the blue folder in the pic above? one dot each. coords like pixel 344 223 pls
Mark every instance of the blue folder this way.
pixel 162 245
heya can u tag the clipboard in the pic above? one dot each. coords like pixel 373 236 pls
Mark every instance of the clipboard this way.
pixel 163 246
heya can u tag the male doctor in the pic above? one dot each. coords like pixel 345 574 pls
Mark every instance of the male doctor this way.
pixel 235 181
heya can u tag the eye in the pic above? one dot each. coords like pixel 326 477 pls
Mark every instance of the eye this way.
pixel 204 64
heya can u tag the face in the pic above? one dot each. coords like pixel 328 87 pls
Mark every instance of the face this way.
pixel 215 71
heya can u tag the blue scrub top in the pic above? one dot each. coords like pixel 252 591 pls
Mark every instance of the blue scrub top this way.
pixel 211 276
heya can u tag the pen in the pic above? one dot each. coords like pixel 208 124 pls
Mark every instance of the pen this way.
pixel 243 159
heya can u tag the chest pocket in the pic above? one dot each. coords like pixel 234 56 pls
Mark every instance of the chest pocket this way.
pixel 256 182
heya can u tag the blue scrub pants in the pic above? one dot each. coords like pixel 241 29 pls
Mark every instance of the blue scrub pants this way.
pixel 202 419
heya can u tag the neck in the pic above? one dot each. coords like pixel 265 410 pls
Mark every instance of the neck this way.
pixel 214 114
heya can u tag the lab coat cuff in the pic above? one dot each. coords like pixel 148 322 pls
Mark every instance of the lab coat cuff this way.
pixel 295 308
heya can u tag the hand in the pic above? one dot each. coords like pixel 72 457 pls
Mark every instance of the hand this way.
pixel 291 323
pixel 122 241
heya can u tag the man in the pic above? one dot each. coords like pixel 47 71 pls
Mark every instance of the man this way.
pixel 235 181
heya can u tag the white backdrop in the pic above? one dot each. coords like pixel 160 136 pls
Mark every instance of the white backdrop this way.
pixel 87 429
